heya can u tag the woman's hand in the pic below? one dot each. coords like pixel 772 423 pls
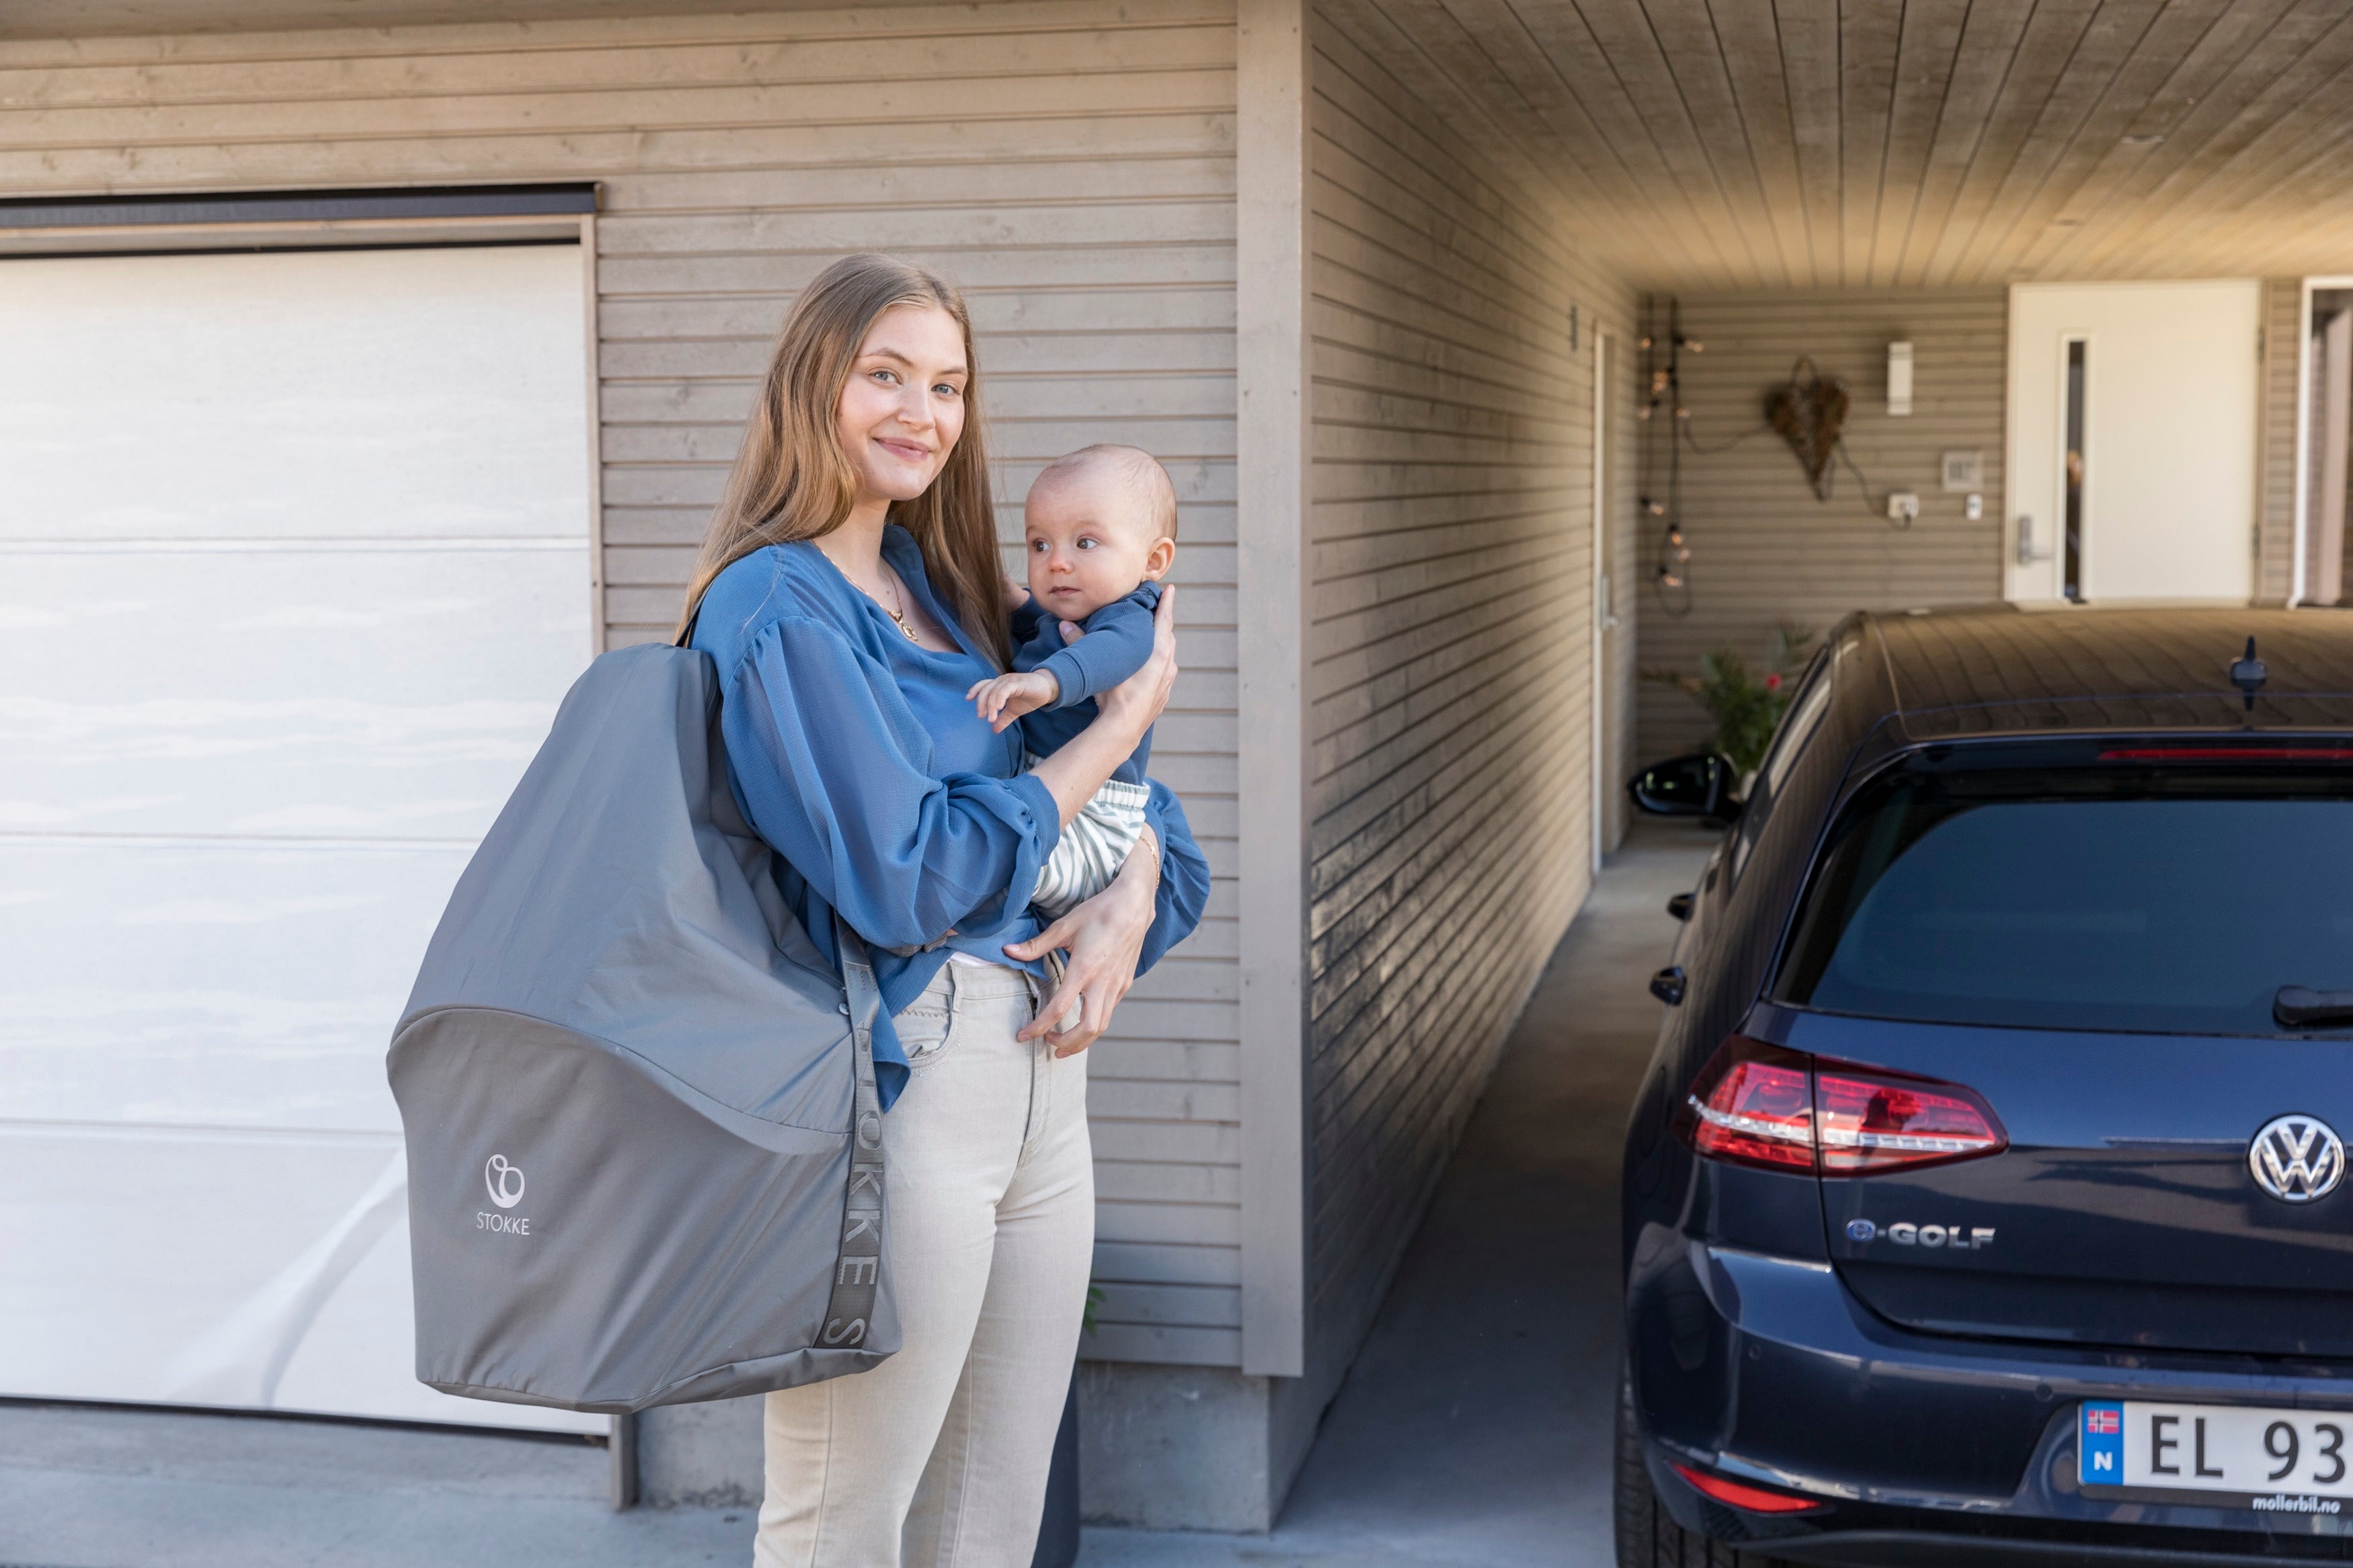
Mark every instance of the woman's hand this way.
pixel 1105 936
pixel 1134 704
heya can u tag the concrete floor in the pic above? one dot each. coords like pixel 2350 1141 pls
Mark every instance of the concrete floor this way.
pixel 1493 1448
pixel 1469 1432
pixel 88 1486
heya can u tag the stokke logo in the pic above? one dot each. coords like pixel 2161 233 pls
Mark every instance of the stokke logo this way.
pixel 496 1174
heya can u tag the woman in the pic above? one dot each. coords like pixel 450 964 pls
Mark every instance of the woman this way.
pixel 850 593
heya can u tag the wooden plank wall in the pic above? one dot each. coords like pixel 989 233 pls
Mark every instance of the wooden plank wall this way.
pixel 1450 569
pixel 1764 550
pixel 1068 161
pixel 2275 448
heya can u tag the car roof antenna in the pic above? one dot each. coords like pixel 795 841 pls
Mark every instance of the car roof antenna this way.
pixel 2249 675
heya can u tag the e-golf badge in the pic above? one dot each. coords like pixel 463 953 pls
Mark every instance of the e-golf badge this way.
pixel 504 1180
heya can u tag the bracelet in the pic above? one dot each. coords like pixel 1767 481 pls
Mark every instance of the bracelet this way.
pixel 1153 843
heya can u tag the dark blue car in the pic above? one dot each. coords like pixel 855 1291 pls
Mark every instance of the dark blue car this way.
pixel 1984 1199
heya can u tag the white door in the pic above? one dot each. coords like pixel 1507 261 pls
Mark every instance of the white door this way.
pixel 293 570
pixel 2132 441
pixel 1602 611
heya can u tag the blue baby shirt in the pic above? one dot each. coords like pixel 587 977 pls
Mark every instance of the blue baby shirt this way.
pixel 1118 641
pixel 856 754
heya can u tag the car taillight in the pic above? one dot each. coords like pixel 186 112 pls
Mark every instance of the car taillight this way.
pixel 1780 1109
pixel 1868 1121
pixel 1753 1106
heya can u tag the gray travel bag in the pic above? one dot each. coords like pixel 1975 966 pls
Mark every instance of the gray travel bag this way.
pixel 645 1156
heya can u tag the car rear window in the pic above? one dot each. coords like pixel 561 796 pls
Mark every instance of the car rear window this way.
pixel 2092 889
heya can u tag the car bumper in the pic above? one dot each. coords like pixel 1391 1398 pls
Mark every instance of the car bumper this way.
pixel 1921 1449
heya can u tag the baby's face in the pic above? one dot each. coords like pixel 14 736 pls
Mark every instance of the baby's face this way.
pixel 1090 542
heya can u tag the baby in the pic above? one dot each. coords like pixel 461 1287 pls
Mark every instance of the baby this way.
pixel 1099 527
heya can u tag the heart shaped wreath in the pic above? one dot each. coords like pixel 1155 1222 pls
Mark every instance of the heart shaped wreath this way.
pixel 1810 414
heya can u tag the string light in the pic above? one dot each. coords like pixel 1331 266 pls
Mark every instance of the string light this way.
pixel 1677 556
pixel 1671 577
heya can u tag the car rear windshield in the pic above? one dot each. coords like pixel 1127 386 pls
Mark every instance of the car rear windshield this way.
pixel 2095 887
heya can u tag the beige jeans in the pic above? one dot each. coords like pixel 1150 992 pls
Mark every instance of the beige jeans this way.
pixel 937 1457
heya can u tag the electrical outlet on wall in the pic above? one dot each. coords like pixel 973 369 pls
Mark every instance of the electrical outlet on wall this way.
pixel 1902 506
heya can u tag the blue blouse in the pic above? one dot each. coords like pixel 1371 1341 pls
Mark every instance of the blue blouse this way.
pixel 856 754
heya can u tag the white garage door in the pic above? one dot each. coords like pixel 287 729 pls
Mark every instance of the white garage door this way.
pixel 293 570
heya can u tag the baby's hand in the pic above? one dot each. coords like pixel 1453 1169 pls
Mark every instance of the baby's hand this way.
pixel 1006 698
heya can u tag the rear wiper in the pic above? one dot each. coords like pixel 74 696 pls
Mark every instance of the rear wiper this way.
pixel 2299 1007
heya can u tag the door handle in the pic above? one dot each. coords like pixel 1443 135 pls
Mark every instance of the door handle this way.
pixel 2027 554
pixel 1667 985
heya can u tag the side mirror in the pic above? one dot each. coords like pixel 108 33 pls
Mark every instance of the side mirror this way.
pixel 1700 785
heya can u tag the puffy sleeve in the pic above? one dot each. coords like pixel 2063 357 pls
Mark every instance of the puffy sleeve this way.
pixel 831 766
pixel 1183 876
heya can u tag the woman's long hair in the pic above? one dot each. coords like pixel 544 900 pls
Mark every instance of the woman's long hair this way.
pixel 792 480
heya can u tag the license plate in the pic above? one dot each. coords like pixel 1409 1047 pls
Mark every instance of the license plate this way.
pixel 2280 1461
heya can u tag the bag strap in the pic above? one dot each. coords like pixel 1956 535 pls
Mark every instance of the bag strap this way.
pixel 858 1271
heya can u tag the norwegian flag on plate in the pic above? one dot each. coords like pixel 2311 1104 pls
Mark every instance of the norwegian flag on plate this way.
pixel 2100 1450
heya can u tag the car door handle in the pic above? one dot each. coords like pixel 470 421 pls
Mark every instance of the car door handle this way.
pixel 1667 985
pixel 1679 906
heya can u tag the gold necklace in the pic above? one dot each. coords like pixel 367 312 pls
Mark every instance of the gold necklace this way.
pixel 898 615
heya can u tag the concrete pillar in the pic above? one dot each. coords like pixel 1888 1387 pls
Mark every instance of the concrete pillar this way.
pixel 700 1456
pixel 1274 487
pixel 1188 1448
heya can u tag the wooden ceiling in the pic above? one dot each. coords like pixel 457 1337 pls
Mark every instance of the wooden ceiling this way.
pixel 1780 143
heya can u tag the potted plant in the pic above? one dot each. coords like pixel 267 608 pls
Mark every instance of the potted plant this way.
pixel 1746 703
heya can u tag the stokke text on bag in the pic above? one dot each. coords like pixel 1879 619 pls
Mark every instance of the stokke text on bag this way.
pixel 645 1154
